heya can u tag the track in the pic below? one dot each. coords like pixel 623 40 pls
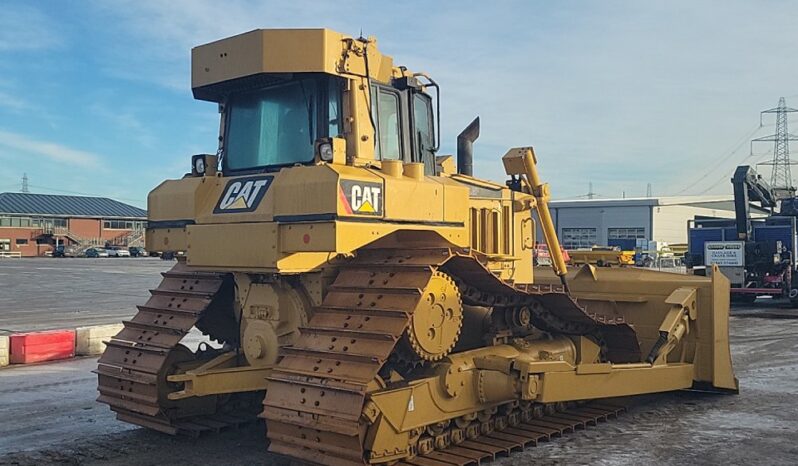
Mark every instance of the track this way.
pixel 314 406
pixel 518 436
pixel 132 371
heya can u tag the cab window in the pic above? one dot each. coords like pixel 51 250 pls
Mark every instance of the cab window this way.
pixel 386 119
pixel 277 125
pixel 423 131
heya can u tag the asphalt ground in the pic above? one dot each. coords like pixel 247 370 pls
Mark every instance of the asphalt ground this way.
pixel 49 293
pixel 48 413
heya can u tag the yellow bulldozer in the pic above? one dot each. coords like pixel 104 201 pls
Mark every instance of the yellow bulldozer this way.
pixel 371 299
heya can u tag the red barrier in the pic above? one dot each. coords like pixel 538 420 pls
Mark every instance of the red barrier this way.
pixel 42 346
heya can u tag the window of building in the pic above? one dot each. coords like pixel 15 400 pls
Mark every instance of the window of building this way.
pixel 575 238
pixel 124 225
pixel 36 222
pixel 626 233
pixel 18 222
pixel 5 245
pixel 22 242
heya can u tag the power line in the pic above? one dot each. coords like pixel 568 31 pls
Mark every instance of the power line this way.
pixel 724 157
pixel 726 176
pixel 712 169
pixel 781 177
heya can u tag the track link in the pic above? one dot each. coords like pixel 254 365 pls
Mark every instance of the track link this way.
pixel 317 392
pixel 518 436
pixel 132 371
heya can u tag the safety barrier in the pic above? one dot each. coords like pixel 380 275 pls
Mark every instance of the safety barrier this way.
pixel 42 346
pixel 4 350
pixel 91 340
pixel 10 254
pixel 51 345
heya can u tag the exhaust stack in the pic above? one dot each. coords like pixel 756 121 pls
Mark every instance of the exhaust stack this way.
pixel 465 148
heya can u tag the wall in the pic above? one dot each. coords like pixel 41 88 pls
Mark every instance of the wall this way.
pixel 670 221
pixel 665 223
pixel 86 227
pixel 90 228
pixel 112 234
pixel 29 250
pixel 601 218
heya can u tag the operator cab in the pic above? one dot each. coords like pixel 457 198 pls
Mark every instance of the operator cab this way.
pixel 282 123
pixel 306 96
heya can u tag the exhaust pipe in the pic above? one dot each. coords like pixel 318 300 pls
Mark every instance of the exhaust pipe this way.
pixel 465 148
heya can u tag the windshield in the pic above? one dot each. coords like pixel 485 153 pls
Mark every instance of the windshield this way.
pixel 278 125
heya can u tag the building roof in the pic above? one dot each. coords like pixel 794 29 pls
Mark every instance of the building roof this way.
pixel 66 206
pixel 721 202
pixel 644 201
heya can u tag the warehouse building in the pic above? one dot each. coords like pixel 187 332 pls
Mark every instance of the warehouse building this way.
pixel 33 224
pixel 621 222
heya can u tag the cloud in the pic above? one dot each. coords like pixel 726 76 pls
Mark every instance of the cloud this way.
pixel 23 28
pixel 618 93
pixel 13 103
pixel 49 150
pixel 600 88
pixel 126 122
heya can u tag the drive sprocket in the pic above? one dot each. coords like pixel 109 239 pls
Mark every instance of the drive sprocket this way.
pixel 436 323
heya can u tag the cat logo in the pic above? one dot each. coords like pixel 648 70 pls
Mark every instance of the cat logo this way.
pixel 361 197
pixel 243 194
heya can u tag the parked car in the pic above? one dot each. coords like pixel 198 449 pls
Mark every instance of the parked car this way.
pixel 65 251
pixel 117 251
pixel 96 252
pixel 138 252
pixel 169 255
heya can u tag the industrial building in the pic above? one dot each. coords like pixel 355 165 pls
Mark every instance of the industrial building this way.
pixel 621 222
pixel 33 224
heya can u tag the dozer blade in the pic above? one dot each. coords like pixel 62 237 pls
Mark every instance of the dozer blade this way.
pixel 643 299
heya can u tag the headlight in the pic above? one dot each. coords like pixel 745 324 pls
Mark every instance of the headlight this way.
pixel 326 151
pixel 203 164
pixel 199 165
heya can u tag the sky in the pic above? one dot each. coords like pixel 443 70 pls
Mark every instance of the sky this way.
pixel 95 96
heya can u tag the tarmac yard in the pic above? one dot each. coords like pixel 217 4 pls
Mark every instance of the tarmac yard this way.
pixel 42 294
pixel 49 415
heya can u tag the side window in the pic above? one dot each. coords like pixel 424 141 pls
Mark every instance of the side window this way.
pixel 424 137
pixel 334 121
pixel 388 111
pixel 385 108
